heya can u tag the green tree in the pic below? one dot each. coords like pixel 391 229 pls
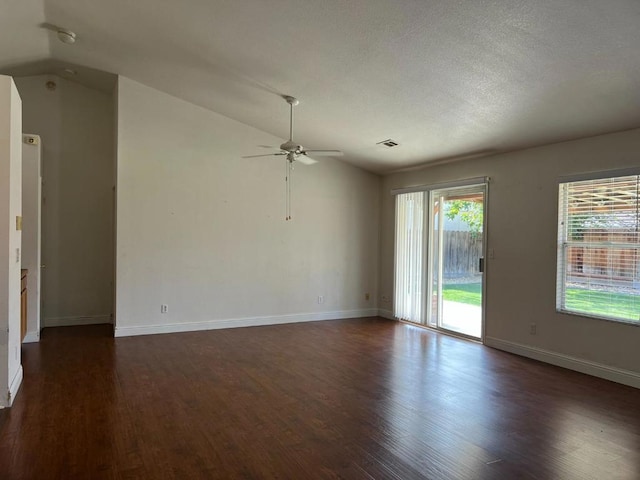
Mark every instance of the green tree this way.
pixel 469 212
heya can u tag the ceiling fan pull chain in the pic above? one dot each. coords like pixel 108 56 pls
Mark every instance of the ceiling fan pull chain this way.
pixel 286 188
pixel 290 185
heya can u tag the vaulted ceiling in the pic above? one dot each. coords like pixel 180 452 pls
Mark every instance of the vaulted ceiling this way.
pixel 444 79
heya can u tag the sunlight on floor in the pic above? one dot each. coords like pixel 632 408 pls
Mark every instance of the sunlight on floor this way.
pixel 462 318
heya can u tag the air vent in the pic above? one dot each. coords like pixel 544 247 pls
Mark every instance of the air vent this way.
pixel 388 143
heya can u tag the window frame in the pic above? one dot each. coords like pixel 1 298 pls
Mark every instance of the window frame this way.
pixel 563 241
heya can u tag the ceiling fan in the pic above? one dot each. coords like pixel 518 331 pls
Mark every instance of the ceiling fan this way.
pixel 295 153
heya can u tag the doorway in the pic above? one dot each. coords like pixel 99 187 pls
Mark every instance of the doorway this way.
pixel 456 260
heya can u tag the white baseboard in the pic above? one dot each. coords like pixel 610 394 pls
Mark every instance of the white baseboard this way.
pixel 31 337
pixel 241 322
pixel 618 375
pixel 386 314
pixel 72 321
pixel 14 386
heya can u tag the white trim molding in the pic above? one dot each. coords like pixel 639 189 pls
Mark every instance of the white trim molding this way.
pixel 31 337
pixel 241 322
pixel 15 385
pixel 626 377
pixel 388 314
pixel 73 321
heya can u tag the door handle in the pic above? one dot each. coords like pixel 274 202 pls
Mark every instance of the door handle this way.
pixel 481 265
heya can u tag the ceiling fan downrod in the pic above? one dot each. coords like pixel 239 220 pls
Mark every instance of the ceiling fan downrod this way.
pixel 292 101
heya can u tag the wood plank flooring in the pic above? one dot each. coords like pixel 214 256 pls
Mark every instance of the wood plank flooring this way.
pixel 349 399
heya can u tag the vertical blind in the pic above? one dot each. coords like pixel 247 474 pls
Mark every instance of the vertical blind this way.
pixel 599 248
pixel 409 256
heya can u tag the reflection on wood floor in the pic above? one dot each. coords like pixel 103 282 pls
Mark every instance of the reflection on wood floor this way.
pixel 352 399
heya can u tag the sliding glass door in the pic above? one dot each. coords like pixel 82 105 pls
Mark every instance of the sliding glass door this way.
pixel 439 258
pixel 456 253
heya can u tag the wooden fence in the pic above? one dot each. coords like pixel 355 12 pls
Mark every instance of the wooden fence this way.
pixel 594 261
pixel 462 251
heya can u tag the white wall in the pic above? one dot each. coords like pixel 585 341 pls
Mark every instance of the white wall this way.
pixel 76 127
pixel 10 208
pixel 522 229
pixel 31 245
pixel 202 230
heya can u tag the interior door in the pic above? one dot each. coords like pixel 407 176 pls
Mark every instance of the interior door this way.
pixel 456 266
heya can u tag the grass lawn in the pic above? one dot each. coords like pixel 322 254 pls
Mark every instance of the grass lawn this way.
pixel 579 300
pixel 470 293
pixel 604 304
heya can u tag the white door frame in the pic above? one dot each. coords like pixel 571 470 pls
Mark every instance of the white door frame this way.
pixel 429 271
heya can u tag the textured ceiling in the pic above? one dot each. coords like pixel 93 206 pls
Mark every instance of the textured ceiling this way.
pixel 445 79
pixel 20 41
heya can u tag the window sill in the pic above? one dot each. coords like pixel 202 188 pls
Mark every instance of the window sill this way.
pixel 634 323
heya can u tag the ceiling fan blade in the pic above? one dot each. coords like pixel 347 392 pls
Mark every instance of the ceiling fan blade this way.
pixel 303 159
pixel 264 155
pixel 327 153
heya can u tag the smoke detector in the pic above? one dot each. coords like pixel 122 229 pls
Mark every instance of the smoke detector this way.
pixel 66 36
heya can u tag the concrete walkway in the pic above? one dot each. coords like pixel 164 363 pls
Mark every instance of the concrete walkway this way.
pixel 462 318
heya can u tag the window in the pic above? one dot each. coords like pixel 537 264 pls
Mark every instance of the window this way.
pixel 599 248
pixel 409 271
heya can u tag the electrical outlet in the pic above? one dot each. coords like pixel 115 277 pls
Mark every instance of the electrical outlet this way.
pixel 320 298
pixel 533 329
pixel 164 308
pixel 366 296
pixel 17 255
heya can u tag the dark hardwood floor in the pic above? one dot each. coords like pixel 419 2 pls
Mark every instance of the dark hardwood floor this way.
pixel 351 399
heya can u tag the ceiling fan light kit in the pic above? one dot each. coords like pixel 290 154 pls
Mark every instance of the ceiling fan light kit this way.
pixel 294 152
